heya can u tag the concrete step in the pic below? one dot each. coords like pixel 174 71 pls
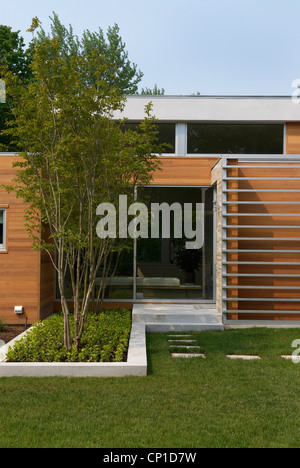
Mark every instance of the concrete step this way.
pixel 178 317
pixel 182 327
pixel 175 308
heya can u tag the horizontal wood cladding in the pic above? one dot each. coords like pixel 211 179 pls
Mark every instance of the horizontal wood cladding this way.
pixel 176 170
pixel 292 138
pixel 20 266
pixel 262 216
pixel 260 316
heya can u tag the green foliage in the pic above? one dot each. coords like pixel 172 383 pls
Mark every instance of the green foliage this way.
pixel 105 339
pixel 152 92
pixel 119 72
pixel 14 57
pixel 13 53
pixel 34 25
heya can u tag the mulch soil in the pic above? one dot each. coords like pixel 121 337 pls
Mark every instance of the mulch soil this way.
pixel 10 332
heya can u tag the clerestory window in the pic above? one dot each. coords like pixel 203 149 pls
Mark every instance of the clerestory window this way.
pixel 235 138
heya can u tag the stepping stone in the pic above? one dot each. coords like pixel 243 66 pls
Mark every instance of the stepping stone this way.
pixel 182 341
pixel 186 347
pixel 245 357
pixel 295 359
pixel 187 355
pixel 179 336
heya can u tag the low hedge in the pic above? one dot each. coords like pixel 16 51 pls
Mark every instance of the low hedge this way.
pixel 105 339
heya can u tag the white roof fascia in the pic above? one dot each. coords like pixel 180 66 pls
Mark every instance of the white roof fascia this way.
pixel 213 109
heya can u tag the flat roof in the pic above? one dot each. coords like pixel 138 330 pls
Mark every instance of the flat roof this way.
pixel 206 96
pixel 272 109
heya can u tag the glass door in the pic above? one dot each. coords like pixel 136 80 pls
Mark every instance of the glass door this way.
pixel 165 267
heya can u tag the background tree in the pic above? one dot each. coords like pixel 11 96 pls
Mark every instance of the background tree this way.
pixel 13 53
pixel 152 92
pixel 119 71
pixel 17 59
pixel 74 157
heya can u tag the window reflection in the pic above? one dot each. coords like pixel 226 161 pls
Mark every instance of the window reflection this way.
pixel 165 268
pixel 235 139
pixel 166 134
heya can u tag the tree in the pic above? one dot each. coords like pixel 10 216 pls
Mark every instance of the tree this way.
pixel 74 156
pixel 152 92
pixel 13 54
pixel 119 71
pixel 15 58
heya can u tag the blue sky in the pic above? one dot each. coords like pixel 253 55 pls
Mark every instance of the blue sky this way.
pixel 215 47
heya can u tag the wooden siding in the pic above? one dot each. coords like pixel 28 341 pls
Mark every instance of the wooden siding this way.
pixel 292 138
pixel 184 171
pixel 26 276
pixel 20 265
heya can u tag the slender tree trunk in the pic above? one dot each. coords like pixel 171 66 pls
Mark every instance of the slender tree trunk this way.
pixel 65 311
pixel 64 305
pixel 67 331
pixel 76 301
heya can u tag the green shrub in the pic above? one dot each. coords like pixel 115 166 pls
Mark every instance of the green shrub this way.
pixel 105 339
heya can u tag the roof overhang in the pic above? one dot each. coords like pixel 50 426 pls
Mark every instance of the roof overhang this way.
pixel 214 109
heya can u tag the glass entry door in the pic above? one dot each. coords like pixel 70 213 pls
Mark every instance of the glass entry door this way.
pixel 165 268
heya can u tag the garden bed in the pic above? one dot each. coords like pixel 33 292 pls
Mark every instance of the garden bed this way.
pixel 105 339
pixel 111 346
pixel 10 332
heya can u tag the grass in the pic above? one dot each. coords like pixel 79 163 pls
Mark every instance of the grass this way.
pixel 182 403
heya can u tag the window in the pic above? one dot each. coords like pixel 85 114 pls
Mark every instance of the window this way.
pixel 166 134
pixel 235 139
pixel 165 268
pixel 2 229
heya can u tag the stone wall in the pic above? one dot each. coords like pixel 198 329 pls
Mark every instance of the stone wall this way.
pixel 216 179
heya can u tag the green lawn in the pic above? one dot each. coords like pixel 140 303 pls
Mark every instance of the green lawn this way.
pixel 182 403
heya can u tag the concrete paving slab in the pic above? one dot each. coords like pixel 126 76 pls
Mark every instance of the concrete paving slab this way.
pixel 182 341
pixel 187 355
pixel 185 347
pixel 244 357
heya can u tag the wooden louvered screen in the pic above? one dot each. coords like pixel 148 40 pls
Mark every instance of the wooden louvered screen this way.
pixel 261 237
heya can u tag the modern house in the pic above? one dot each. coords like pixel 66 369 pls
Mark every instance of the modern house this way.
pixel 237 156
